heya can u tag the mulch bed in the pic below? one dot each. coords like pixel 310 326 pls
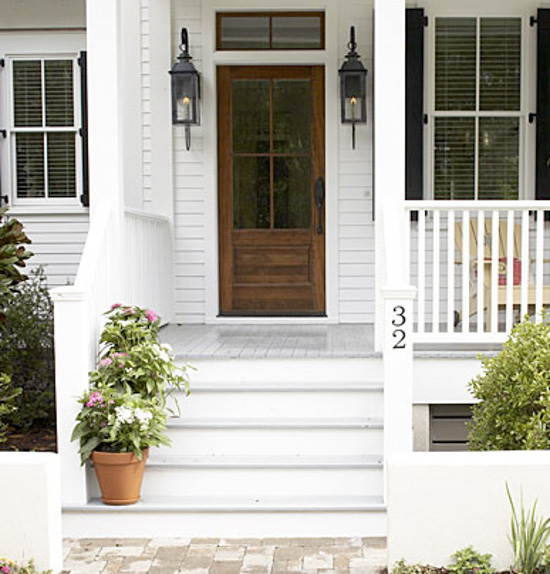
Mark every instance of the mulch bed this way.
pixel 39 440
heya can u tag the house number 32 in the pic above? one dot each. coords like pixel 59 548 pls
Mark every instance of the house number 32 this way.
pixel 399 321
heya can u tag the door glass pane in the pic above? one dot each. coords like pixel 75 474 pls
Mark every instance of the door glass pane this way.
pixel 455 64
pixel 58 75
pixel 29 159
pixel 250 103
pixel 292 192
pixel 454 158
pixel 297 32
pixel 27 93
pixel 61 165
pixel 251 198
pixel 500 71
pixel 244 33
pixel 292 116
pixel 498 158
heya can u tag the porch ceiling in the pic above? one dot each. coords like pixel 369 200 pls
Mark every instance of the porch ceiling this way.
pixel 270 341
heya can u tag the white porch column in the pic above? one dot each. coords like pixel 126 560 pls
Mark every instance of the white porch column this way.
pixel 105 103
pixel 391 267
pixel 72 361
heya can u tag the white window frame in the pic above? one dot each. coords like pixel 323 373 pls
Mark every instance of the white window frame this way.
pixel 18 45
pixel 527 134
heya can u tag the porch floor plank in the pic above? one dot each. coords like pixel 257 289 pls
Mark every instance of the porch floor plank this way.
pixel 270 341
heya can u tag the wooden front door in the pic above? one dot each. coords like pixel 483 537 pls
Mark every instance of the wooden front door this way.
pixel 271 190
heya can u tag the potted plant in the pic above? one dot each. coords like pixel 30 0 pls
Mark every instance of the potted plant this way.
pixel 124 412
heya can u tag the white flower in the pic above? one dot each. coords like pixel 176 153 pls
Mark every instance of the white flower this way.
pixel 143 417
pixel 124 415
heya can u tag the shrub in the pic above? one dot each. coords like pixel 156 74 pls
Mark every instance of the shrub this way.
pixel 11 567
pixel 514 393
pixel 26 353
pixel 7 403
pixel 401 567
pixel 469 561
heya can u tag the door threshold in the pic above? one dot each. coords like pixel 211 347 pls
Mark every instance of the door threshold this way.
pixel 274 320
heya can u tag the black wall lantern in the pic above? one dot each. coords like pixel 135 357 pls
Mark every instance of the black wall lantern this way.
pixel 353 87
pixel 186 90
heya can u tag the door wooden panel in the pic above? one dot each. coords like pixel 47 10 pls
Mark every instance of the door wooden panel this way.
pixel 271 153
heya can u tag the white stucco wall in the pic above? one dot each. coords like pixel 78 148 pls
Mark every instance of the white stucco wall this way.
pixel 439 503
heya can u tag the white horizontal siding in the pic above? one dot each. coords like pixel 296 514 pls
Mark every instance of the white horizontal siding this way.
pixel 57 244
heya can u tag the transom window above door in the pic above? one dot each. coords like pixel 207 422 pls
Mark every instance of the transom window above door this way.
pixel 270 31
pixel 477 108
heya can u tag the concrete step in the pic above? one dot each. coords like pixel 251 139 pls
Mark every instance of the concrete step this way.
pixel 230 516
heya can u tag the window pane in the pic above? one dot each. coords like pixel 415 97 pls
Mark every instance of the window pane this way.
pixel 27 93
pixel 61 165
pixel 500 64
pixel 29 160
pixel 454 158
pixel 292 116
pixel 251 197
pixel 250 101
pixel 455 64
pixel 244 33
pixel 498 158
pixel 297 32
pixel 58 75
pixel 292 192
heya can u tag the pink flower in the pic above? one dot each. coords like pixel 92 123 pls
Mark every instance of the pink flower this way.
pixel 6 569
pixel 94 399
pixel 103 424
pixel 151 316
pixel 115 305
pixel 130 311
pixel 119 355
pixel 105 362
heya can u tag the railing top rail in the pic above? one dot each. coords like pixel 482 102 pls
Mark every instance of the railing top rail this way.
pixel 146 215
pixel 470 205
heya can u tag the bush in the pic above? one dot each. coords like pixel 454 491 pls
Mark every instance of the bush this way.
pixel 514 393
pixel 469 561
pixel 26 353
pixel 7 403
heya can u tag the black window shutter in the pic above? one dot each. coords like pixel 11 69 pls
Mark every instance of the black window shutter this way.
pixel 415 103
pixel 82 62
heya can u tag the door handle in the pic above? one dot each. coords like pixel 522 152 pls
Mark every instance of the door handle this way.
pixel 319 201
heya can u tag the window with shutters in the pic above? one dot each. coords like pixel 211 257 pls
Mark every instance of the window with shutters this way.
pixel 477 108
pixel 43 133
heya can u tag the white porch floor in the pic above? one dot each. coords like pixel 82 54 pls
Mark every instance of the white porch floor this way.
pixel 270 341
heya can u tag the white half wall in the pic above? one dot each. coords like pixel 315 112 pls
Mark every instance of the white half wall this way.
pixel 439 503
pixel 30 499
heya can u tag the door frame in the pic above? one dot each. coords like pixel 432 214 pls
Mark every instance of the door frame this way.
pixel 226 231
pixel 329 58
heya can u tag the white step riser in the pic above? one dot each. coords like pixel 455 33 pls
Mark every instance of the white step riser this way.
pixel 223 525
pixel 261 482
pixel 266 442
pixel 282 404
pixel 288 370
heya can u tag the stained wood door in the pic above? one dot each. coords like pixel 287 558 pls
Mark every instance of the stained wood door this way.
pixel 271 181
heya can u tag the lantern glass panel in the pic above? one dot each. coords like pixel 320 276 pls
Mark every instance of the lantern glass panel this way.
pixel 186 99
pixel 353 109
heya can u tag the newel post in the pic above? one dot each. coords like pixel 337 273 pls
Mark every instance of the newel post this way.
pixel 398 369
pixel 72 362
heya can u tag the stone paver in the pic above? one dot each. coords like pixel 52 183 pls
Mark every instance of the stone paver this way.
pixel 225 556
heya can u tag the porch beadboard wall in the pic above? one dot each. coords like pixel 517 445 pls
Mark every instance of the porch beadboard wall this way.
pixel 354 256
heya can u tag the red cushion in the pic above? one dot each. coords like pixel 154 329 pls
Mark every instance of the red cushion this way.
pixel 503 271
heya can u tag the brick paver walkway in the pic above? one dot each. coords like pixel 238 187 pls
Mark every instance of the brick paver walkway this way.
pixel 224 556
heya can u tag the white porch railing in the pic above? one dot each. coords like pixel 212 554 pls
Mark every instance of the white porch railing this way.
pixel 478 267
pixel 149 254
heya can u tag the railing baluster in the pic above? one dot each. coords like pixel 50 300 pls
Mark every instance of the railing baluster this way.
pixel 480 266
pixel 539 271
pixel 450 271
pixel 510 270
pixel 525 263
pixel 495 243
pixel 466 271
pixel 421 270
pixel 436 271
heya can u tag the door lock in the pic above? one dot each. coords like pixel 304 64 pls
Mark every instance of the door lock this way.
pixel 320 200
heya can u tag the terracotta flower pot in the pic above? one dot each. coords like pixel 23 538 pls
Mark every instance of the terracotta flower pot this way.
pixel 119 475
